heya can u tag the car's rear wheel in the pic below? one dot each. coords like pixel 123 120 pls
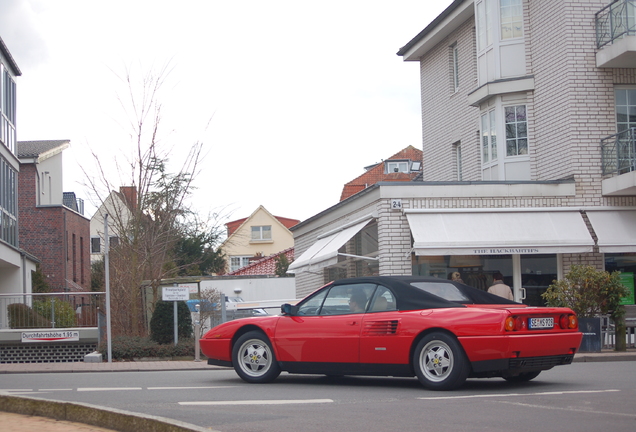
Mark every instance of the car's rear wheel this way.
pixel 253 358
pixel 440 362
pixel 523 377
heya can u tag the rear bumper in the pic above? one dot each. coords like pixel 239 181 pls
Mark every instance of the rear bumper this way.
pixel 521 352
pixel 517 365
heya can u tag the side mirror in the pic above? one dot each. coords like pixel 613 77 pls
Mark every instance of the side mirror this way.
pixel 287 309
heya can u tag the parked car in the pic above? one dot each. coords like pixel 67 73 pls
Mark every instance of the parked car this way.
pixel 441 331
pixel 233 302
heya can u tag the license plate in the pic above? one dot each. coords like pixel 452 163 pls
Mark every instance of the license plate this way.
pixel 541 323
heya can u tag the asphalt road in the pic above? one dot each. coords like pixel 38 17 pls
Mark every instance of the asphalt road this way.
pixel 578 397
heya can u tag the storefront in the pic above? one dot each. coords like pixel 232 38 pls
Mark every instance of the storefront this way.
pixel 429 231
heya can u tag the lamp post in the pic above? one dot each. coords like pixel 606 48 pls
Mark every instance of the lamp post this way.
pixel 107 283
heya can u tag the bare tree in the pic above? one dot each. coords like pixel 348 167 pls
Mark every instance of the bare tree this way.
pixel 149 222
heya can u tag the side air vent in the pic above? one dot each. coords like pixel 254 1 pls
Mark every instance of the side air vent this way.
pixel 385 327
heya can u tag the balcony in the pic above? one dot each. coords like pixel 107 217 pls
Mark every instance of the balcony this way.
pixel 618 158
pixel 616 35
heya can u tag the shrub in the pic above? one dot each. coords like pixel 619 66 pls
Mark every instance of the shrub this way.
pixel 131 347
pixel 162 322
pixel 64 312
pixel 21 316
pixel 587 291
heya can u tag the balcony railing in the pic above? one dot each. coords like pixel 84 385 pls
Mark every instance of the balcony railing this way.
pixel 50 310
pixel 615 21
pixel 618 153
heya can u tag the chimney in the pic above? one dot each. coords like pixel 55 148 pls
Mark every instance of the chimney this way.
pixel 130 194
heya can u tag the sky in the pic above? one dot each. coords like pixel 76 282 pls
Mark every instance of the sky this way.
pixel 291 99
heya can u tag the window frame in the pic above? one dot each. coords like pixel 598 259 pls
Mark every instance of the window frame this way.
pixel 99 245
pixel 517 138
pixel 260 230
pixel 488 136
pixel 244 260
pixel 454 67
pixel 513 4
pixel 398 164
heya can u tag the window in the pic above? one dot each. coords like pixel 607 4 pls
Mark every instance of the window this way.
pixel 625 99
pixel 484 24
pixel 457 150
pixel 312 305
pixel 262 232
pixel 511 15
pixel 347 299
pixel 489 136
pixel 96 245
pixel 113 241
pixel 8 203
pixel 455 67
pixel 396 166
pixel 383 300
pixel 7 109
pixel 236 262
pixel 516 130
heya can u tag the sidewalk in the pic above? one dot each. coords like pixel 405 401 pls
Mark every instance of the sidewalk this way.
pixel 14 411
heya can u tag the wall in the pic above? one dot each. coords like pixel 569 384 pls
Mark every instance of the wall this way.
pixel 46 232
pixel 449 118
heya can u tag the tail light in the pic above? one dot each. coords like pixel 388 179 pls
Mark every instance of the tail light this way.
pixel 569 321
pixel 515 323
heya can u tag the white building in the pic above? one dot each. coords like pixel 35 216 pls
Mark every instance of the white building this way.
pixel 529 159
pixel 15 264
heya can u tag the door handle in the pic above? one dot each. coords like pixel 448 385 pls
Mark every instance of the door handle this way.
pixel 352 323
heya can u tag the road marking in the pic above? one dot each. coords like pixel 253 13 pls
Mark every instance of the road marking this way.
pixel 16 390
pixel 48 390
pixel 568 409
pixel 188 388
pixel 88 389
pixel 519 394
pixel 260 402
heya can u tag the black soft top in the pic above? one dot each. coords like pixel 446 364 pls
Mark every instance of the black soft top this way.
pixel 409 297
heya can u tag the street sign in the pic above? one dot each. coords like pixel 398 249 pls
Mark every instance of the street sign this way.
pixel 175 294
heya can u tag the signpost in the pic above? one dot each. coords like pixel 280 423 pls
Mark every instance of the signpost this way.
pixel 175 294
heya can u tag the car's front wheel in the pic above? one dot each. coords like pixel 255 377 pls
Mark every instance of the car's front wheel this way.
pixel 253 358
pixel 440 362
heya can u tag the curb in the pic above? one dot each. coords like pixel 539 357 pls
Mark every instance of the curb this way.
pixel 604 357
pixel 109 418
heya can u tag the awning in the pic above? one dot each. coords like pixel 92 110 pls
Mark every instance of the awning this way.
pixel 324 252
pixel 615 229
pixel 498 232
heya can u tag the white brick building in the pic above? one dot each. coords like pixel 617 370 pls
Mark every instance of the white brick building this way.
pixel 529 159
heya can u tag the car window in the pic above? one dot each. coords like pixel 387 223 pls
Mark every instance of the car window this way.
pixel 347 299
pixel 383 300
pixel 447 291
pixel 311 306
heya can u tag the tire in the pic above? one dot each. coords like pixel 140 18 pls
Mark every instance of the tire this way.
pixel 440 362
pixel 522 377
pixel 253 358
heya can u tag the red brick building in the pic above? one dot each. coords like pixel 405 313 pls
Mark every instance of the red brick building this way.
pixel 51 224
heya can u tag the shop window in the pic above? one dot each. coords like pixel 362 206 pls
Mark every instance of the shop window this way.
pixel 537 274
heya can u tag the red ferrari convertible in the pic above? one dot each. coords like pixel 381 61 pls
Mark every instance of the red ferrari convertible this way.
pixel 441 331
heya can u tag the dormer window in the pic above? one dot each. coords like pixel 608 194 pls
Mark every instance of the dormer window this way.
pixel 397 166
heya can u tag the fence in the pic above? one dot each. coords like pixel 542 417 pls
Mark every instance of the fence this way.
pixel 50 310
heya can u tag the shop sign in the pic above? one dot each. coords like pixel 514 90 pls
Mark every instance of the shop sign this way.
pixel 506 251
pixel 51 336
